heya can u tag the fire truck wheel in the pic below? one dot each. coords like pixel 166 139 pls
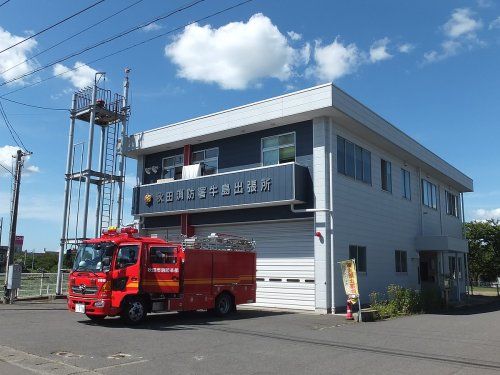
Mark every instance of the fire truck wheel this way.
pixel 223 304
pixel 134 311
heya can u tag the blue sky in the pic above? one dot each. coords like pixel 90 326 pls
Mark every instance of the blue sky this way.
pixel 430 68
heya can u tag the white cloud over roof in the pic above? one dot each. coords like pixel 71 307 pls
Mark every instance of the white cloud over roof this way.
pixel 80 77
pixel 378 50
pixel 235 55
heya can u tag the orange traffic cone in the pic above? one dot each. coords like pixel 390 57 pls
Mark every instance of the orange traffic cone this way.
pixel 349 311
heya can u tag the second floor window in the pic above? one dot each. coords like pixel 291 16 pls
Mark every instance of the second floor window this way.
pixel 209 160
pixel 405 184
pixel 354 161
pixel 451 204
pixel 386 175
pixel 172 167
pixel 429 194
pixel 278 149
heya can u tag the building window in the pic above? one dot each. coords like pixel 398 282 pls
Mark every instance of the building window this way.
pixel 358 253
pixel 209 160
pixel 405 184
pixel 451 204
pixel 429 194
pixel 172 167
pixel 401 261
pixel 354 161
pixel 278 149
pixel 386 175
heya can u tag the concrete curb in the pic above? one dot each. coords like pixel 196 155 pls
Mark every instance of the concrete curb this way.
pixel 40 298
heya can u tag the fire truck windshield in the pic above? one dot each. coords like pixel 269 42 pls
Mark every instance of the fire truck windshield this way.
pixel 94 257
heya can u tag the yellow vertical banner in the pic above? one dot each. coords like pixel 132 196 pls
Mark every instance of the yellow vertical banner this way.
pixel 349 276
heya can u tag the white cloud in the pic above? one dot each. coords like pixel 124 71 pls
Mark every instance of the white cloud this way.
pixel 151 27
pixel 294 36
pixel 14 56
pixel 406 47
pixel 460 32
pixel 335 60
pixel 7 154
pixel 495 24
pixel 234 55
pixel 81 77
pixel 462 22
pixel 305 54
pixel 378 50
pixel 485 214
pixel 484 3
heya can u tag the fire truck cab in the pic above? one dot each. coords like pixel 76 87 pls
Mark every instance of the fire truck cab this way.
pixel 123 274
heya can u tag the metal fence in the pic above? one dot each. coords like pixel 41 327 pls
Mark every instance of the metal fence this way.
pixel 39 284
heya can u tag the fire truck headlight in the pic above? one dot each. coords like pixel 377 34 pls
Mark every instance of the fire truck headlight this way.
pixel 99 303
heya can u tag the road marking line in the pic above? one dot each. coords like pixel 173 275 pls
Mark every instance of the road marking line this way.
pixel 32 362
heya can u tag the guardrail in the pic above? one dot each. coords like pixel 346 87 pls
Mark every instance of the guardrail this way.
pixel 39 284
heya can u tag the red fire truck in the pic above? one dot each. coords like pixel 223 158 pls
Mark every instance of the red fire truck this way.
pixel 123 274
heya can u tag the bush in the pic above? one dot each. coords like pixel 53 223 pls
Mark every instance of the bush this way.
pixel 404 301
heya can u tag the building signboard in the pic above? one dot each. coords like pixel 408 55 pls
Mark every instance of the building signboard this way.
pixel 278 184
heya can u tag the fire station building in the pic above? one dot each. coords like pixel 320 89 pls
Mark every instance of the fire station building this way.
pixel 314 177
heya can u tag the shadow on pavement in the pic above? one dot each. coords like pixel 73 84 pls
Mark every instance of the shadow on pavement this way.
pixel 475 305
pixel 180 320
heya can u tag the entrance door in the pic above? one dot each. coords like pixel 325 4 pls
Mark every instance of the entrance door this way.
pixel 126 272
pixel 429 269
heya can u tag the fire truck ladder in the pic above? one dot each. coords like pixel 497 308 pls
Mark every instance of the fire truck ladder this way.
pixel 108 184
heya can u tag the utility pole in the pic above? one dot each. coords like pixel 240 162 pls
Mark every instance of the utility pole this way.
pixel 13 224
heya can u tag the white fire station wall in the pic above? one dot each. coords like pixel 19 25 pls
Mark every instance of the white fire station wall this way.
pixel 285 260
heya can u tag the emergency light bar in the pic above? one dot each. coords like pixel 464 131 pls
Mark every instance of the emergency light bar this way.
pixel 115 230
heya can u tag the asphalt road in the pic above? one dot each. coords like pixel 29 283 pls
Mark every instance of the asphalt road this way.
pixel 44 338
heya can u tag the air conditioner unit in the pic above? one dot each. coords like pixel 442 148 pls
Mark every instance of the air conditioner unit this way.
pixel 191 171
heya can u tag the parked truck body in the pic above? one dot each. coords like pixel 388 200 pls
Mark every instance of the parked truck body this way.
pixel 123 274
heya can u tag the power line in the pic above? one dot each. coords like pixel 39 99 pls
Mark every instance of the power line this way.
pixel 11 129
pixel 5 2
pixel 130 47
pixel 36 106
pixel 72 36
pixel 1 165
pixel 53 25
pixel 102 42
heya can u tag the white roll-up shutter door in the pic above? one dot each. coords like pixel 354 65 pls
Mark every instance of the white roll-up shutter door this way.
pixel 285 260
pixel 171 233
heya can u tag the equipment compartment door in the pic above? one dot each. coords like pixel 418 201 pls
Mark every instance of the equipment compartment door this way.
pixel 163 268
pixel 126 272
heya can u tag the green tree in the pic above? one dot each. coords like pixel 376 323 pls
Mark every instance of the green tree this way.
pixel 484 249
